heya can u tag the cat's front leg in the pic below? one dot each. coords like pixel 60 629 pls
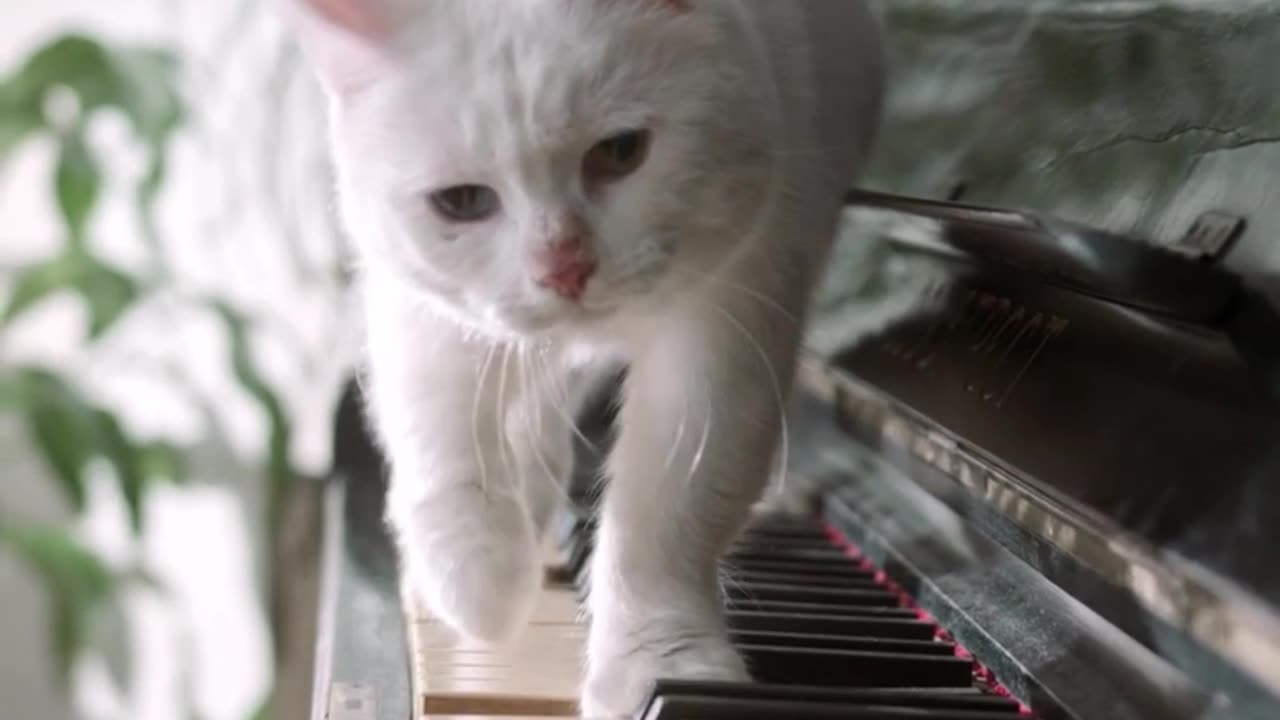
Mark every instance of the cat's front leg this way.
pixel 700 423
pixel 456 502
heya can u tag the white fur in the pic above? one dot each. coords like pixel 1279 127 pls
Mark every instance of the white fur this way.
pixel 762 113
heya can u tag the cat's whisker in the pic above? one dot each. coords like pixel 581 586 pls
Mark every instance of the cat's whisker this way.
pixel 514 480
pixel 679 438
pixel 777 388
pixel 563 410
pixel 475 417
pixel 529 376
pixel 768 301
pixel 729 582
pixel 698 454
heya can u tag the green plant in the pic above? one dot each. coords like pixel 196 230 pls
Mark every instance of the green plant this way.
pixel 54 97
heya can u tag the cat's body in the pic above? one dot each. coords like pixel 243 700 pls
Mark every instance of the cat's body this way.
pixel 649 182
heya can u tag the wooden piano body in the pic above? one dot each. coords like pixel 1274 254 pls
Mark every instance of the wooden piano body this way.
pixel 1049 414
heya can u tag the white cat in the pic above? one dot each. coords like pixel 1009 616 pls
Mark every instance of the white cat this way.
pixel 541 188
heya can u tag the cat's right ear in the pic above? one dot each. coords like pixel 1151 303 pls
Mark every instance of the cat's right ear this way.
pixel 347 43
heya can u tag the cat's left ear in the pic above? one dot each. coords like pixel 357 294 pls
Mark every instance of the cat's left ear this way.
pixel 346 42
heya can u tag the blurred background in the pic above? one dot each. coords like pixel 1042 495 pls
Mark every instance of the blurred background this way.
pixel 172 344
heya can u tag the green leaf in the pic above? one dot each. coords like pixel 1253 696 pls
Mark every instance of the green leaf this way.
pixel 146 91
pixel 78 584
pixel 145 202
pixel 61 427
pixel 10 391
pixel 140 81
pixel 38 282
pixel 72 61
pixel 77 182
pixel 71 432
pixel 161 462
pixel 126 462
pixel 66 443
pixel 107 292
pixel 279 470
pixel 18 120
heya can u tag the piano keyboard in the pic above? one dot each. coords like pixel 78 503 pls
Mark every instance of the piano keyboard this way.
pixel 825 634
pixel 536 677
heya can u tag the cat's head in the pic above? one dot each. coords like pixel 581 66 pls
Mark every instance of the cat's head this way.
pixel 538 166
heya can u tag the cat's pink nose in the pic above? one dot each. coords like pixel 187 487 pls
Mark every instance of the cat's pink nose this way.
pixel 567 267
pixel 569 279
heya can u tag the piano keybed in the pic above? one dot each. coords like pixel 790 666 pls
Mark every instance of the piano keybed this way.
pixel 825 634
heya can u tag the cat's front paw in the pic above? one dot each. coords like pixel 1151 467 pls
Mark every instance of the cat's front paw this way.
pixel 473 561
pixel 621 672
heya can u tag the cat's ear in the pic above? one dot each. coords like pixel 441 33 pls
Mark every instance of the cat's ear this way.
pixel 346 42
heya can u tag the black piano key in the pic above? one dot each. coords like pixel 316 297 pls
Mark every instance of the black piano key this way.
pixel 969 698
pixel 579 559
pixel 718 708
pixel 837 567
pixel 784 608
pixel 851 625
pixel 785 525
pixel 783 542
pixel 798 579
pixel 843 642
pixel 788 608
pixel 790 555
pixel 819 595
pixel 866 611
pixel 788 536
pixel 838 668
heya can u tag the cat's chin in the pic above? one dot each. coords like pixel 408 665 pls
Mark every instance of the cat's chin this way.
pixel 569 322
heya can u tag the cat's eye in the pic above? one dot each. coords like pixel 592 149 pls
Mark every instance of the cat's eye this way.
pixel 465 203
pixel 616 157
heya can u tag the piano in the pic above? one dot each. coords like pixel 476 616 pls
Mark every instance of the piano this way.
pixel 1035 465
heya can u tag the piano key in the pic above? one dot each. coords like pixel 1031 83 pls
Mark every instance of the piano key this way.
pixel 579 558
pixel 803 613
pixel 442 706
pixel 728 708
pixel 798 532
pixel 537 675
pixel 802 579
pixel 836 567
pixel 839 668
pixel 789 608
pixel 864 625
pixel 819 595
pixel 843 642
pixel 785 525
pixel 761 540
pixel 968 698
pixel 788 555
